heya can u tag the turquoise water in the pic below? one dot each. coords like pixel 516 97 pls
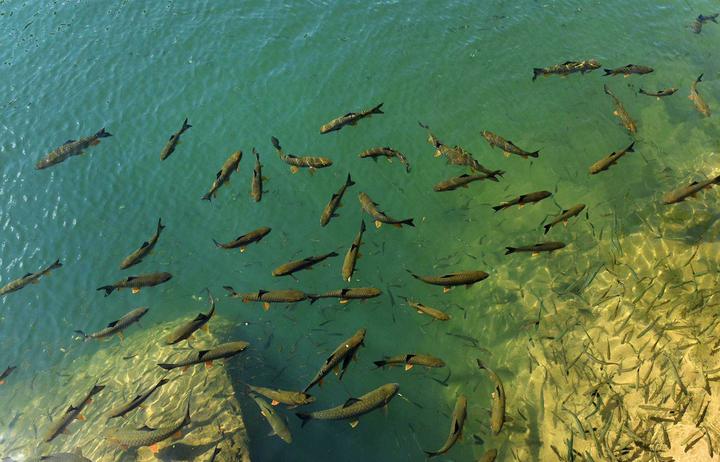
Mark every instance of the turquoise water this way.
pixel 244 72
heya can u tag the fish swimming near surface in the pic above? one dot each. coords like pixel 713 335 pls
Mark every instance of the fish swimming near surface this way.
pixel 459 156
pixel 461 181
pixel 522 200
pixel 352 255
pixel 232 164
pixel 296 162
pixel 135 283
pixel 186 330
pixel 29 278
pixel 76 456
pixel 628 70
pixel 566 68
pixel 257 180
pixel 174 140
pixel 291 399
pixel 224 351
pixel 564 216
pixel 697 25
pixel 450 280
pixel 147 436
pixel 347 294
pixel 71 148
pixel 610 160
pixel 388 153
pixel 409 360
pixel 136 402
pixel 289 268
pixel 276 421
pixel 621 113
pixel 508 147
pixel 351 118
pixel 427 310
pixel 335 202
pixel 690 190
pixel 457 423
pixel 144 250
pixel 266 297
pixel 497 409
pixel 697 100
pixel 660 93
pixel 344 353
pixel 241 242
pixel 354 407
pixel 380 217
pixel 6 373
pixel 72 413
pixel 535 249
pixel 116 327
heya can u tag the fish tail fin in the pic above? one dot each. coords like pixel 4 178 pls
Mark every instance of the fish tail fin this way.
pixel 82 334
pixel 207 197
pixel 96 389
pixel 608 72
pixel 498 207
pixel 716 180
pixel 377 110
pixel 547 228
pixel 160 226
pixel 714 19
pixel 167 367
pixel 275 142
pixel 534 153
pixel 102 133
pixel 304 417
pixel 643 92
pixel 333 254
pixel 630 148
pixel 349 182
pixel 408 222
pixel 536 71
pixel 509 250
pixel 217 244
pixel 699 79
pixel 108 289
pixel 313 298
pixel 413 274
pixel 185 126
pixel 230 290
pixel 380 363
pixel 187 420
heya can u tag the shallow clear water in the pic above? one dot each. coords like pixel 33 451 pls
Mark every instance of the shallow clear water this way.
pixel 244 72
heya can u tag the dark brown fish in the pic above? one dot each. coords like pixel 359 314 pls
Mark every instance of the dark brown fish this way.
pixel 257 180
pixel 73 412
pixel 660 93
pixel 298 265
pixel 296 162
pixel 507 146
pixel 628 70
pixel 566 68
pixel 388 153
pixel 565 216
pixel 410 360
pixel 427 310
pixel 344 353
pixel 291 399
pixel 347 294
pixel 697 25
pixel 697 100
pixel 523 199
pixel 174 140
pixel 268 297
pixel 71 148
pixel 224 351
pixel 186 330
pixel 621 113
pixel 29 278
pixel 135 283
pixel 136 402
pixel 690 190
pixel 535 249
pixel 329 210
pixel 380 217
pixel 610 160
pixel 6 373
pixel 353 254
pixel 351 118
pixel 242 242
pixel 464 278
pixel 461 181
pixel 144 250
pixel 497 409
pixel 354 407
pixel 116 327
pixel 232 164
pixel 456 427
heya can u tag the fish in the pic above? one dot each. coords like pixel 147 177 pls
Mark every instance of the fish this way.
pixel 186 330
pixel 523 199
pixel 6 373
pixel 489 456
pixel 345 352
pixel 697 100
pixel 459 156
pixel 621 113
pixel 276 421
pixel 71 148
pixel 147 436
pixel 690 190
pixel 351 118
pixel 144 250
pixel 329 210
pixel 29 278
pixel 135 283
pixel 456 427
pixel 174 140
pixel 353 254
pixel 117 326
pixel 424 309
pixel 409 360
pixel 697 25
pixel 136 402
pixel 433 140
pixel 566 68
pixel 257 180
pixel 610 160
pixel 660 93
pixel 75 456
pixel 298 265
pixel 268 297
pixel 388 153
pixel 380 217
pixel 463 278
pixel 60 425
pixel 232 164
pixel 628 70
pixel 535 249
pixel 461 181
pixel 224 351
pixel 242 242
pixel 354 407
pixel 507 146
pixel 347 294
pixel 497 410
pixel 296 162
pixel 292 399
pixel 565 216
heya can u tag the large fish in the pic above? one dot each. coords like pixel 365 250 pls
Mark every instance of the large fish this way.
pixel 147 436
pixel 296 162
pixel 136 402
pixel 60 424
pixel 266 297
pixel 344 353
pixel 461 181
pixel 620 112
pixel 199 322
pixel 697 100
pixel 459 156
pixel 352 255
pixel 660 93
pixel 232 164
pixel 456 427
pixel 508 147
pixel 427 310
pixel 347 294
pixel 242 242
pixel 174 140
pixel 566 68
pixel 276 421
pixel 298 265
pixel 354 407
pixel 497 410
pixel 135 283
pixel 697 25
pixel 116 327
pixel 610 160
pixel 144 250
pixel 76 456
pixel 564 216
pixel 71 148
pixel 690 190
pixel 292 399
pixel 380 217
pixel 226 350
pixel 351 118
pixel 388 153
pixel 329 210
pixel 29 278
pixel 629 70
pixel 6 373
pixel 522 200
pixel 409 360
pixel 257 180
pixel 464 278
pixel 535 249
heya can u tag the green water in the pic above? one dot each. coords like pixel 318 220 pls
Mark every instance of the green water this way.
pixel 242 72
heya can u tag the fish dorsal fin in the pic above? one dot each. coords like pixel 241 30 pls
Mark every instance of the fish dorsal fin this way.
pixel 349 114
pixel 144 244
pixel 447 275
pixel 217 175
pixel 27 274
pixel 68 142
pixel 130 278
pixel 350 402
pixel 457 428
pixel 77 451
pixel 262 292
pixel 568 62
pixel 200 317
pixel 112 324
pixel 202 353
pixel 334 196
pixel 693 183
pixel 344 291
pixel 410 356
pixel 464 175
pixel 70 409
pixel 146 428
